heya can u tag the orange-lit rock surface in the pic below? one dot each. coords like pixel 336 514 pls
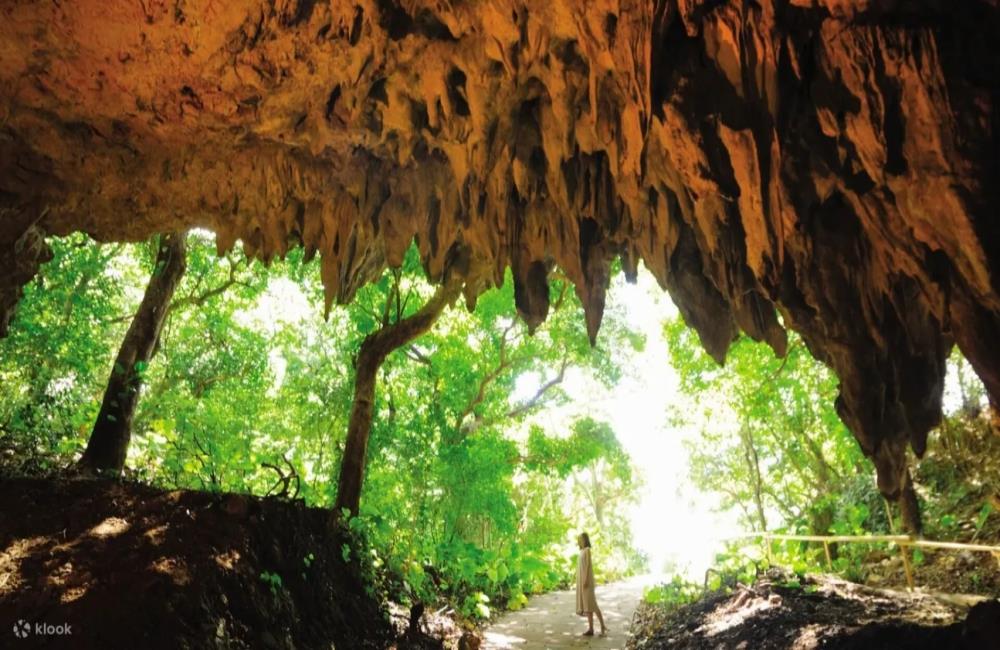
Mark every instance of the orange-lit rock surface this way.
pixel 833 162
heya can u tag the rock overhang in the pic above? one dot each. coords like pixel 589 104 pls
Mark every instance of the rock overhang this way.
pixel 834 163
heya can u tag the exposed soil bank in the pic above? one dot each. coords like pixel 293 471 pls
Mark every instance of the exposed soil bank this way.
pixel 781 611
pixel 130 566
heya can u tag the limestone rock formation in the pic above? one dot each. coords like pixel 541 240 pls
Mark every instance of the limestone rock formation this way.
pixel 832 161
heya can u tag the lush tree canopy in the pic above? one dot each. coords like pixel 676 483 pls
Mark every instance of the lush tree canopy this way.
pixel 771 446
pixel 467 498
pixel 251 389
pixel 771 441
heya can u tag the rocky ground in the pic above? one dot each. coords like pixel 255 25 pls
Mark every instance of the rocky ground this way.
pixel 784 611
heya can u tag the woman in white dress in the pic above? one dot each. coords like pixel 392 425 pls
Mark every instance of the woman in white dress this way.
pixel 586 599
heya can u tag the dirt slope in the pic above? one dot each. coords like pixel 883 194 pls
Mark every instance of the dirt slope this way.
pixel 129 566
pixel 783 612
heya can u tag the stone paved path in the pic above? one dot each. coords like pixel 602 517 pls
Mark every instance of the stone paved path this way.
pixel 549 621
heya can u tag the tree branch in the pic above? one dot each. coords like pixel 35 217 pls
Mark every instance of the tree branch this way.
pixel 528 405
pixel 200 299
pixel 192 299
pixel 392 299
pixel 562 296
pixel 784 362
pixel 374 349
pixel 536 399
pixel 416 354
pixel 487 379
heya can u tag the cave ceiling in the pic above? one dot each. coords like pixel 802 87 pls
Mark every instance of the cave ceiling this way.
pixel 823 165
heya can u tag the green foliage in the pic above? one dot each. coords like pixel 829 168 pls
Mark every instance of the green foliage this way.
pixel 589 442
pixel 675 593
pixel 272 580
pixel 771 443
pixel 983 516
pixel 772 447
pixel 476 605
pixel 468 499
pixel 56 360
pixel 465 498
pixel 739 564
pixel 960 472
pixel 463 491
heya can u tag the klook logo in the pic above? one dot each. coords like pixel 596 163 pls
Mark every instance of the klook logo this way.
pixel 22 629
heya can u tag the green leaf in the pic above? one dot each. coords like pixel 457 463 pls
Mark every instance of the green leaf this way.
pixel 984 514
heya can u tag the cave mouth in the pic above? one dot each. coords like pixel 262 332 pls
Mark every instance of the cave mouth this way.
pixel 818 168
pixel 815 177
pixel 505 435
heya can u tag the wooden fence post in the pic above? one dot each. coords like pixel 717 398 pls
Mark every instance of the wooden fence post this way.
pixel 906 565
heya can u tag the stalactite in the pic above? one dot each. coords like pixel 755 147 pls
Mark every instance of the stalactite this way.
pixel 820 165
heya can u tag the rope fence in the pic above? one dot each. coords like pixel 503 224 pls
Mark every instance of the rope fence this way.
pixel 903 542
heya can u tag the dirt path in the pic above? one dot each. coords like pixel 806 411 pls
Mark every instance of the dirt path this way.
pixel 549 621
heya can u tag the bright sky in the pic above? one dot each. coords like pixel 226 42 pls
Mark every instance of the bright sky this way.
pixel 672 522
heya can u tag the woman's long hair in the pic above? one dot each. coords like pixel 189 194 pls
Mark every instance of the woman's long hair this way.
pixel 586 540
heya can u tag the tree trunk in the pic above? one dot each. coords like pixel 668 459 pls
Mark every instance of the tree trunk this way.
pixel 753 467
pixel 374 350
pixel 109 440
pixel 598 496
